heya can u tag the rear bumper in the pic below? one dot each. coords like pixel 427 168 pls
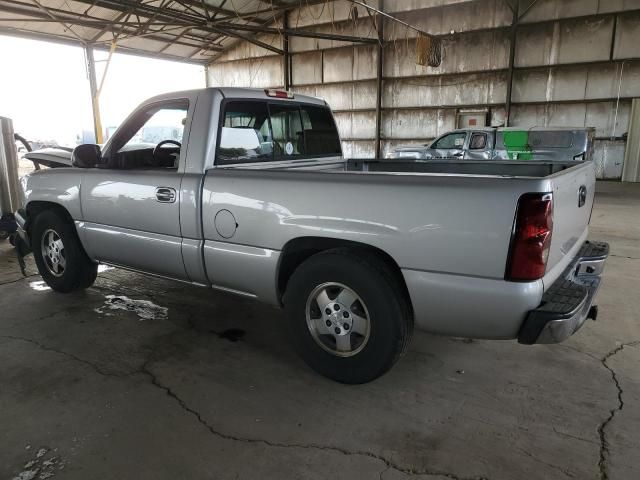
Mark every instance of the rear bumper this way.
pixel 568 302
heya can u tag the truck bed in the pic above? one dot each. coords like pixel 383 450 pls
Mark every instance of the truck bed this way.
pixel 480 198
pixel 491 168
pixel 461 167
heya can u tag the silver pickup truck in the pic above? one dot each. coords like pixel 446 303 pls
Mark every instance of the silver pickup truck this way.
pixel 252 196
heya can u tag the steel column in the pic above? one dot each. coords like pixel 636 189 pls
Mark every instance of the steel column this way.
pixel 631 165
pixel 207 82
pixel 380 24
pixel 512 56
pixel 286 56
pixel 93 86
pixel 10 192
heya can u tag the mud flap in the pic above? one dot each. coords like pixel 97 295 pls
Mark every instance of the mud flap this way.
pixel 22 250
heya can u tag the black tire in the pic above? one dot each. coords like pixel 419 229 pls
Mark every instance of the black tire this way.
pixel 390 319
pixel 79 272
pixel 4 234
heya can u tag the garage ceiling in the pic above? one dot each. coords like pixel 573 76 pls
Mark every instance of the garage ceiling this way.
pixel 194 31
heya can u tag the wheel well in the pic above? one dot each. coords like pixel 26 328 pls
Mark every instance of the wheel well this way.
pixel 298 250
pixel 37 207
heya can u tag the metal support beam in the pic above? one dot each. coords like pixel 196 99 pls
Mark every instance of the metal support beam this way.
pixel 64 25
pixel 511 4
pixel 380 11
pixel 175 16
pixel 512 55
pixel 273 10
pixel 93 86
pixel 208 9
pixel 294 32
pixel 614 33
pixel 286 56
pixel 120 27
pixel 525 10
pixel 380 27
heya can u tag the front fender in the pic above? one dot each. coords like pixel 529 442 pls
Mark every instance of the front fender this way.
pixel 59 186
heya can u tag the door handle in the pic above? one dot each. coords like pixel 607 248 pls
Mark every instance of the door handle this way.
pixel 458 154
pixel 166 194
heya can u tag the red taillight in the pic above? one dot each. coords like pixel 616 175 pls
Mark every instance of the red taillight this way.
pixel 531 237
pixel 278 93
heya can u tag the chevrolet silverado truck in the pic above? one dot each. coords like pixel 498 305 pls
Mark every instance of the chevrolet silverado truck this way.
pixel 250 194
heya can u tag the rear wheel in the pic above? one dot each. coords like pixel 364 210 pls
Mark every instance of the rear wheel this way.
pixel 347 314
pixel 59 256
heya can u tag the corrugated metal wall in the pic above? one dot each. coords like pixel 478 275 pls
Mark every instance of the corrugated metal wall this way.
pixel 577 63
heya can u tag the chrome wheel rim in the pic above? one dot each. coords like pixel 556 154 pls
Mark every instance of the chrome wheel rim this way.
pixel 53 253
pixel 338 319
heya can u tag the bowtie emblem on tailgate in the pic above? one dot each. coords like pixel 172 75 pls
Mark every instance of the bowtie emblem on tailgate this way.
pixel 582 196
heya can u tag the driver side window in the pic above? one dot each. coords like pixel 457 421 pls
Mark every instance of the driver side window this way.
pixel 156 138
pixel 453 140
pixel 164 124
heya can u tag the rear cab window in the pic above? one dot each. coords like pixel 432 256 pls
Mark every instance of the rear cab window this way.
pixel 263 131
pixel 478 141
pixel 245 133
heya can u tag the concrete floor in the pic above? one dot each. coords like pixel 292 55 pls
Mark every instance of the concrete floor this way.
pixel 214 391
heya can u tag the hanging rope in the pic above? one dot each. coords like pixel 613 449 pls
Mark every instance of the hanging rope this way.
pixel 428 48
pixel 428 51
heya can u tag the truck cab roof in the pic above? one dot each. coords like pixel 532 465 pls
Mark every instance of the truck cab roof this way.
pixel 239 93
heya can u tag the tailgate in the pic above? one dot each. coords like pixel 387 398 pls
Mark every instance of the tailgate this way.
pixel 573 193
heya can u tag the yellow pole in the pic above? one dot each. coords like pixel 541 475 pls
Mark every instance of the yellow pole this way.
pixel 106 67
pixel 95 90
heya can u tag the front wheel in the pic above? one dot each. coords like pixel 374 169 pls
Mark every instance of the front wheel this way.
pixel 347 314
pixel 60 258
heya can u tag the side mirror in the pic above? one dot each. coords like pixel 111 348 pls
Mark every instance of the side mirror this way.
pixel 86 156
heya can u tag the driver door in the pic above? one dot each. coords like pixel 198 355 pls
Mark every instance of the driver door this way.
pixel 131 207
pixel 449 146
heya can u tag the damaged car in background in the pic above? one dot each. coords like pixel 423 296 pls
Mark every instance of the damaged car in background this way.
pixel 55 157
pixel 553 144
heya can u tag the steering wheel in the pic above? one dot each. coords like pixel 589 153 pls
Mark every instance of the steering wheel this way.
pixel 164 142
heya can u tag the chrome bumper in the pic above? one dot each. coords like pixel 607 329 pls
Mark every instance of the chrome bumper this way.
pixel 569 301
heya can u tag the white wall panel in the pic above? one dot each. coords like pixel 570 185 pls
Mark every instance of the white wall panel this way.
pixel 564 74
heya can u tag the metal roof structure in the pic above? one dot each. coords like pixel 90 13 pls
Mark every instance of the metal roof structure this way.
pixel 195 31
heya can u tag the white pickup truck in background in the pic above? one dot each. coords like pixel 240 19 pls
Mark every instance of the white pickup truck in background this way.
pixel 252 196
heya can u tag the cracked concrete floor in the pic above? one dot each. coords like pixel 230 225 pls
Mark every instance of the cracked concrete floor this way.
pixel 108 395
